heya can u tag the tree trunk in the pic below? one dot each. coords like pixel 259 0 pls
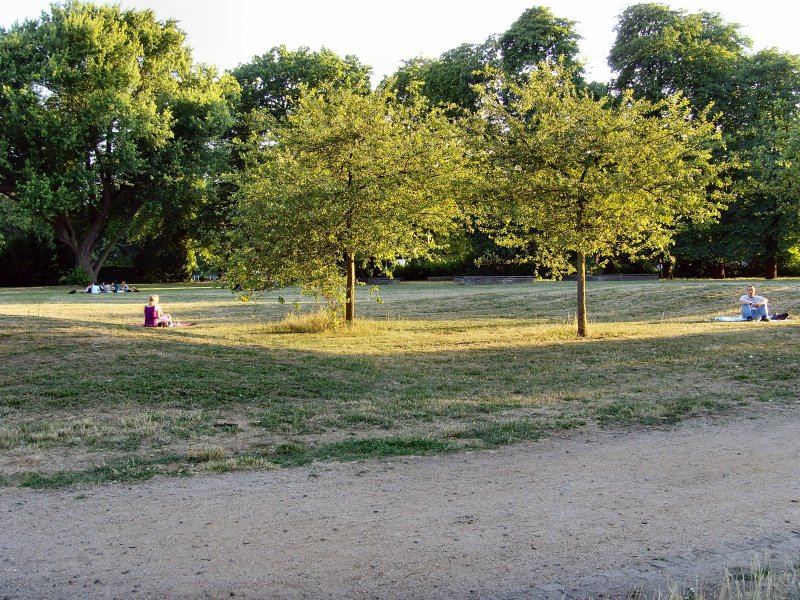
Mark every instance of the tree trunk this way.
pixel 350 296
pixel 771 263
pixel 718 271
pixel 81 249
pixel 667 266
pixel 581 264
pixel 83 244
pixel 771 268
pixel 83 259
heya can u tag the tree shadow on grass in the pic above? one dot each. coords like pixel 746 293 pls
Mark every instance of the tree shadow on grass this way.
pixel 301 405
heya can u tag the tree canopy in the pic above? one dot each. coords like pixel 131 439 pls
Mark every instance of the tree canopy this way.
pixel 105 121
pixel 274 80
pixel 537 35
pixel 585 177
pixel 659 51
pixel 348 177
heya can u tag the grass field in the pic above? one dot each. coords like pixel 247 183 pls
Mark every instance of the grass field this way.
pixel 86 397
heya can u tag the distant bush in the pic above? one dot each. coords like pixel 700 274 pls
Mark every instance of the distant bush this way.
pixel 76 276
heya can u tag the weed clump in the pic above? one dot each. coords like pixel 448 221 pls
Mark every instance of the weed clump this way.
pixel 205 454
pixel 317 321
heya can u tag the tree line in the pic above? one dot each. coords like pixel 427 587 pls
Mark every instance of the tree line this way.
pixel 117 148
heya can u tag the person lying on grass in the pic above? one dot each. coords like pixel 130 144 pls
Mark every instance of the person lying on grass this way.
pixel 754 308
pixel 154 316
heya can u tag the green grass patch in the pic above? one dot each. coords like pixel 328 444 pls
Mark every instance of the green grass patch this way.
pixel 364 449
pixel 493 435
pixel 660 412
pixel 496 364
pixel 124 471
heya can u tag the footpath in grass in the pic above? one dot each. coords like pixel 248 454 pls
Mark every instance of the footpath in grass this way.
pixel 437 367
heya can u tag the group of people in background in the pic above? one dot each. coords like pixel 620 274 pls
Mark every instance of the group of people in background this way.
pixel 109 288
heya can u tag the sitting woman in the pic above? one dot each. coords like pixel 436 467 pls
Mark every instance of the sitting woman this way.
pixel 154 316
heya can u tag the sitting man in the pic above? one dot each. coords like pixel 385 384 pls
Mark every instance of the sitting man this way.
pixel 754 308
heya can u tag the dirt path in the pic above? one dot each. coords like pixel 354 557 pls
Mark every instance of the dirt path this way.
pixel 595 512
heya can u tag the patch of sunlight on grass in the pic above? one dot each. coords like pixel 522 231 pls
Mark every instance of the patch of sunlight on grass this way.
pixel 79 385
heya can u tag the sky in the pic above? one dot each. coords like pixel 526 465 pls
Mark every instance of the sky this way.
pixel 383 33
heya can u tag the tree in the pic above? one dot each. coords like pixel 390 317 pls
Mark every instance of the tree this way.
pixel 538 35
pixel 584 177
pixel 769 205
pixel 274 80
pixel 271 84
pixel 764 219
pixel 661 51
pixel 106 122
pixel 348 177
pixel 451 78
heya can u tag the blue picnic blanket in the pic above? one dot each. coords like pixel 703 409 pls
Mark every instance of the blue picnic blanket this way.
pixel 727 319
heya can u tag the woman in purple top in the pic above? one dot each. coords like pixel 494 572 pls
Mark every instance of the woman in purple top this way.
pixel 154 316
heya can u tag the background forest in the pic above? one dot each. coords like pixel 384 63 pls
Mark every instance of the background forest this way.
pixel 122 158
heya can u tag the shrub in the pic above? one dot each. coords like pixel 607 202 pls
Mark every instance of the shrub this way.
pixel 76 276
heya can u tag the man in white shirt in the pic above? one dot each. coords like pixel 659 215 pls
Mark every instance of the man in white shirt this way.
pixel 754 308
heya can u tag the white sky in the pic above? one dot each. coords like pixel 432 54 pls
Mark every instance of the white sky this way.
pixel 382 33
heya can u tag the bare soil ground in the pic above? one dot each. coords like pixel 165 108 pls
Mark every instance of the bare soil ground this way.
pixel 581 514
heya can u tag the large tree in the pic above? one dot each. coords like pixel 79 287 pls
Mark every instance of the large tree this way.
pixel 659 51
pixel 106 122
pixel 348 177
pixel 452 80
pixel 761 134
pixel 537 35
pixel 584 177
pixel 271 84
pixel 274 80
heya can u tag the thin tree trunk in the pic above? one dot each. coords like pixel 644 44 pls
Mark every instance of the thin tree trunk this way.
pixel 771 268
pixel 350 297
pixel 581 264
pixel 667 266
pixel 771 264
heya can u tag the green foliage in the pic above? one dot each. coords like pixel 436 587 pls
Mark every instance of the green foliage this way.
pixel 660 51
pixel 350 176
pixel 165 258
pixel 579 176
pixel 28 258
pixel 275 80
pixel 107 123
pixel 76 276
pixel 451 78
pixel 594 178
pixel 538 36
